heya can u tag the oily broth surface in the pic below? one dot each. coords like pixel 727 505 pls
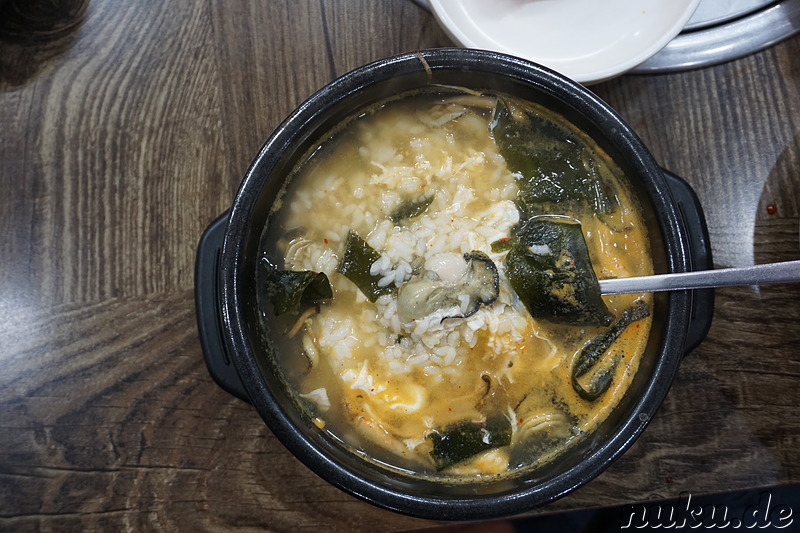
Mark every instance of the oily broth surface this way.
pixel 380 386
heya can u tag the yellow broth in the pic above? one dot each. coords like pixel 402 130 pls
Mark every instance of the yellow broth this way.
pixel 381 386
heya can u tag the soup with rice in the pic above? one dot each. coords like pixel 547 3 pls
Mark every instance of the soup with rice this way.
pixel 429 274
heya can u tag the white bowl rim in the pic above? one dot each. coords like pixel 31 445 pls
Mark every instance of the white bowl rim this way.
pixel 636 44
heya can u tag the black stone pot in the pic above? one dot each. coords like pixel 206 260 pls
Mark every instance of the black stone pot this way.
pixel 238 353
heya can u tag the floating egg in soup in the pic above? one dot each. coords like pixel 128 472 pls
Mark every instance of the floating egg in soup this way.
pixel 430 278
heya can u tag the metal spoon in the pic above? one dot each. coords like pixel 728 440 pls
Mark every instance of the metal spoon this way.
pixel 786 272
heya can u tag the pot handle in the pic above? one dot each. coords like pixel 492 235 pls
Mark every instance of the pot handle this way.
pixel 694 222
pixel 209 310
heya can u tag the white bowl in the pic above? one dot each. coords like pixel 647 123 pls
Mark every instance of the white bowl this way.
pixel 587 40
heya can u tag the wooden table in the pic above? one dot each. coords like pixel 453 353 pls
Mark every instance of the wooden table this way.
pixel 125 128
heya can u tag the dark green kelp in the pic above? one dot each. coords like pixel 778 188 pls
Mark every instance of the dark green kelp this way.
pixel 593 351
pixel 355 265
pixel 410 209
pixel 458 442
pixel 553 165
pixel 549 268
pixel 290 291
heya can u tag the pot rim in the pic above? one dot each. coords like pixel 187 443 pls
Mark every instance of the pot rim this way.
pixel 232 281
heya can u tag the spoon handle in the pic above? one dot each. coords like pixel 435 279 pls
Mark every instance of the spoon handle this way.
pixel 786 272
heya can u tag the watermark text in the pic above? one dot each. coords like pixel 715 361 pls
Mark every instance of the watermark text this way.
pixel 687 514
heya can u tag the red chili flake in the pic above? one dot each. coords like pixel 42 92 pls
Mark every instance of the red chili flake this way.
pixel 504 239
pixel 771 209
pixel 372 390
pixel 325 241
pixel 521 420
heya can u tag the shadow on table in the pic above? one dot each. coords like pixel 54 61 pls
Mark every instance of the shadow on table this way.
pixel 32 33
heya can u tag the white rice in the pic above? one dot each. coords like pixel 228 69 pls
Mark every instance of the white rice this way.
pixel 466 214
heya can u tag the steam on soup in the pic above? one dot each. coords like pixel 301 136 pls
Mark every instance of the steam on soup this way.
pixel 430 276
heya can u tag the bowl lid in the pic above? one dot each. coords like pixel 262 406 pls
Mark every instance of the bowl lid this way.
pixel 586 40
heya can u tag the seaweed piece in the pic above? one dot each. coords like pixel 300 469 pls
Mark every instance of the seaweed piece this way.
pixel 597 346
pixel 549 268
pixel 423 296
pixel 502 245
pixel 410 209
pixel 600 192
pixel 290 290
pixel 355 265
pixel 463 440
pixel 552 164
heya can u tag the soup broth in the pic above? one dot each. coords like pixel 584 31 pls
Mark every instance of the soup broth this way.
pixel 430 354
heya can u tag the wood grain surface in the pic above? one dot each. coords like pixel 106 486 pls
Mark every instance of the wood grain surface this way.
pixel 126 127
